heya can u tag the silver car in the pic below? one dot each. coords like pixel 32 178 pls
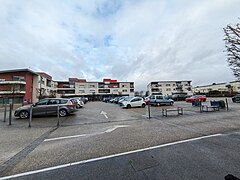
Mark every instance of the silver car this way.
pixel 158 100
pixel 45 107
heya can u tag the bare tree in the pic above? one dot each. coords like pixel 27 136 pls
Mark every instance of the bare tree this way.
pixel 41 93
pixel 232 44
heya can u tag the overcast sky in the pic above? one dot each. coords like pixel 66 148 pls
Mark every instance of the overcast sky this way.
pixel 127 40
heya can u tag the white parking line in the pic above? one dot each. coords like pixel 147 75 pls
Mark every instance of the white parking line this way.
pixel 106 157
pixel 84 135
pixel 65 137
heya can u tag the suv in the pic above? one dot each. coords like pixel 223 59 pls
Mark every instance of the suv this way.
pixel 48 106
pixel 158 100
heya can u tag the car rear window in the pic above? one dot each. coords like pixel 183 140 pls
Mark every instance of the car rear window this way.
pixel 63 101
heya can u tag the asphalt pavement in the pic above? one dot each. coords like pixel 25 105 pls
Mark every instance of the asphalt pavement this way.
pixel 89 136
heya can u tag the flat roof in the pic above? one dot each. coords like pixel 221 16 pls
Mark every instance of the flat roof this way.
pixel 210 85
pixel 18 70
pixel 170 81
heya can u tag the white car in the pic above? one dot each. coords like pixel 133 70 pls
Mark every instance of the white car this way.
pixel 79 102
pixel 133 102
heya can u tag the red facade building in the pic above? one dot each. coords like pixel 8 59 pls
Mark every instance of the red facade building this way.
pixel 17 85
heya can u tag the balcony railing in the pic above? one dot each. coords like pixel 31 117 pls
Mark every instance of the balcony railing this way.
pixel 12 82
pixel 12 92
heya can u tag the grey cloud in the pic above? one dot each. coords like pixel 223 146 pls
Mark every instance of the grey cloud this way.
pixel 150 40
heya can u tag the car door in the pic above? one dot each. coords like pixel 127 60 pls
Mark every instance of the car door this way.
pixel 137 102
pixel 165 100
pixel 51 108
pixel 134 102
pixel 39 108
pixel 152 100
pixel 159 100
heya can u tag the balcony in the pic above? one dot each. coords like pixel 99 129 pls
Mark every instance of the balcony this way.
pixel 66 88
pixel 2 92
pixel 4 82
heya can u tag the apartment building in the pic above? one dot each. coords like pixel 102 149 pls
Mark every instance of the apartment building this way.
pixel 105 88
pixel 169 87
pixel 18 85
pixel 25 86
pixel 233 86
pixel 45 86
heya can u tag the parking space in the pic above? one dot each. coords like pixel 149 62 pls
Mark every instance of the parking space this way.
pixel 101 129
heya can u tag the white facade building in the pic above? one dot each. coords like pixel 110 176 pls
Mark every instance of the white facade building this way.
pixel 170 87
pixel 233 86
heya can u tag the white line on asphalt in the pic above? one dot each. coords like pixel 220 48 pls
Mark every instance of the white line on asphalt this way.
pixel 106 157
pixel 66 137
pixel 84 135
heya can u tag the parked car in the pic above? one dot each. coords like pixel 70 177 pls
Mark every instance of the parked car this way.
pixel 123 98
pixel 196 98
pixel 107 99
pixel 179 97
pixel 133 102
pixel 236 98
pixel 79 103
pixel 48 106
pixel 84 99
pixel 158 100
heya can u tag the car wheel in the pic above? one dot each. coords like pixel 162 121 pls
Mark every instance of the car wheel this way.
pixel 128 106
pixel 171 103
pixel 143 105
pixel 158 104
pixel 24 114
pixel 62 113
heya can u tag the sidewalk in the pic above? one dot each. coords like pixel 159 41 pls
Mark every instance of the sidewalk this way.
pixel 18 140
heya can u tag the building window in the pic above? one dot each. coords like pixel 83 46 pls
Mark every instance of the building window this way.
pixel 91 86
pixel 124 90
pixel 168 89
pixel 104 91
pixel 81 86
pixel 18 78
pixel 168 84
pixel 81 91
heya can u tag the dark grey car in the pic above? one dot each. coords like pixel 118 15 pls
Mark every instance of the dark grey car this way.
pixel 48 106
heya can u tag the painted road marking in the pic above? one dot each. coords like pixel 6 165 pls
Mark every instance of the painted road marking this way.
pixel 105 114
pixel 87 135
pixel 107 157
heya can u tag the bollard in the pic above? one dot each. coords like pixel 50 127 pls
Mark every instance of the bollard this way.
pixel 200 105
pixel 149 115
pixel 58 123
pixel 5 111
pixel 10 114
pixel 227 104
pixel 30 116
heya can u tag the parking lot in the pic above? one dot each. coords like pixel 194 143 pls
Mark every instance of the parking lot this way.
pixel 104 129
